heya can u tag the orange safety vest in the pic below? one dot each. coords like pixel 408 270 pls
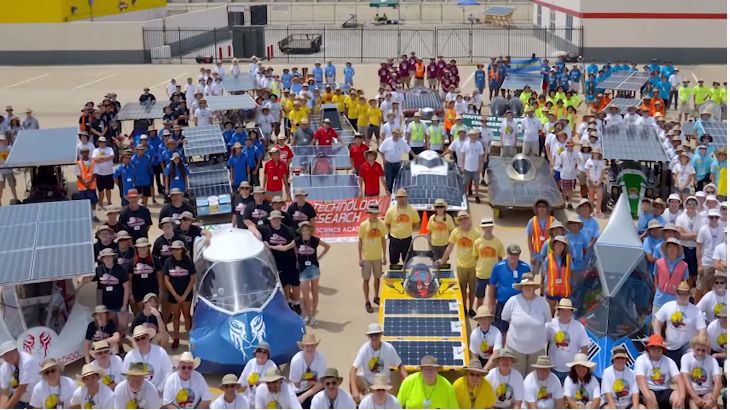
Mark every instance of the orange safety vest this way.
pixel 539 236
pixel 557 279
pixel 420 71
pixel 666 281
pixel 494 74
pixel 450 118
pixel 86 174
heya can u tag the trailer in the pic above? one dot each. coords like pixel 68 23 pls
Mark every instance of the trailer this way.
pixel 301 43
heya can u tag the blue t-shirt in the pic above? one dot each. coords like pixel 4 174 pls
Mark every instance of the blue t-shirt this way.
pixel 177 181
pixel 592 69
pixel 660 298
pixel 701 164
pixel 503 278
pixel 296 88
pixel 153 149
pixel 480 78
pixel 125 174
pixel 286 80
pixel 253 154
pixel 227 134
pixel 578 250
pixel 654 67
pixel 330 70
pixel 649 245
pixel 237 137
pixel 574 75
pixel 667 70
pixel 143 170
pixel 349 73
pixel 318 74
pixel 645 218
pixel 237 164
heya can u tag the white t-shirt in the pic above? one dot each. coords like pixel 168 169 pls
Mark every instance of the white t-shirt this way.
pixel 285 399
pixel 683 172
pixel 411 130
pixel 659 374
pixel 508 131
pixel 682 323
pixel 594 169
pixel 306 375
pixel 88 145
pixel 711 303
pixel 342 401
pixel 387 129
pixel 568 164
pixel 483 344
pixel 621 384
pixel 564 341
pixel 531 128
pixel 58 397
pixel 720 253
pixel 158 362
pixel 106 167
pixel 185 394
pixel 26 373
pixel 239 402
pixel 508 389
pixel 527 332
pixel 393 151
pixel 689 225
pixel 582 393
pixel 203 116
pixel 543 392
pixel 113 373
pixel 251 374
pixel 370 363
pixel 146 398
pixel 104 398
pixel 472 151
pixel 391 402
pixel 700 372
pixel 709 237
pixel 717 335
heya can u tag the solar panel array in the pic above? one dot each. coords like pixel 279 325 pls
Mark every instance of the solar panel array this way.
pixel 141 111
pixel 418 98
pixel 230 102
pixel 48 146
pixel 210 181
pixel 206 140
pixel 305 154
pixel 632 143
pixel 424 189
pixel 518 81
pixel 244 82
pixel 421 306
pixel 500 11
pixel 623 104
pixel 624 81
pixel 46 241
pixel 421 326
pixel 448 353
pixel 327 187
pixel 717 129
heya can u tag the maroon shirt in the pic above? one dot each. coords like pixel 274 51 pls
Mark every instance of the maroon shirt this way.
pixel 403 68
pixel 433 71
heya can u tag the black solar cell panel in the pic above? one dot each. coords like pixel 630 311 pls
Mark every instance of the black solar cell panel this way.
pixel 140 111
pixel 625 81
pixel 206 140
pixel 422 326
pixel 421 306
pixel 418 98
pixel 448 353
pixel 425 189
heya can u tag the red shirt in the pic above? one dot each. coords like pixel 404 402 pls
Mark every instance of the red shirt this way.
pixel 371 177
pixel 357 154
pixel 285 153
pixel 324 136
pixel 275 172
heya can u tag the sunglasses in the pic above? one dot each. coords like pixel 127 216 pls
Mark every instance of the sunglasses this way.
pixel 710 192
pixel 185 367
pixel 714 217
pixel 374 335
pixel 682 293
pixel 103 352
pixel 720 283
pixel 139 339
pixel 328 384
pixel 262 351
pixel 49 371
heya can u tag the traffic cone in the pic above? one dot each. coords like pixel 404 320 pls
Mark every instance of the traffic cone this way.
pixel 424 224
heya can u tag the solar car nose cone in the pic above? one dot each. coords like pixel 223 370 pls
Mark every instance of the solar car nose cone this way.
pixel 521 168
pixel 521 165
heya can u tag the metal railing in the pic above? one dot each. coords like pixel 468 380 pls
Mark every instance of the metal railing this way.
pixel 466 43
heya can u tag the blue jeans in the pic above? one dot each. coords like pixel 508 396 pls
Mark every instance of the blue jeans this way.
pixel 308 273
pixel 391 172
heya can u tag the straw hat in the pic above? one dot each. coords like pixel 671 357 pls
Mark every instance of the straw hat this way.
pixel 7 347
pixel 122 235
pixel 683 287
pixel 556 224
pixel 264 346
pixel 462 214
pixel 619 352
pixel 165 220
pixel 656 340
pixel 560 238
pixel 575 220
pixel 527 280
pixel 100 346
pixel 141 243
pixel 308 339
pixel 381 382
pixel 581 359
pixel 137 369
pixel 430 361
pixel 483 312
pixel 49 364
pixel 506 352
pixel 440 202
pixel 654 224
pixel 401 193
pixel 142 330
pixel 275 214
pixel 187 357
pixel 475 366
pixel 565 303
pixel 106 252
pixel 228 380
pixel 103 228
pixel 272 375
pixel 99 309
pixel 177 245
pixel 90 369
pixel 332 373
pixel 374 329
pixel 543 362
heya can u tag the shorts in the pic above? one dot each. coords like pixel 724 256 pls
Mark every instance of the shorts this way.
pixel 467 277
pixel 372 268
pixel 289 277
pixel 172 300
pixel 567 184
pixel 663 398
pixel 104 182
pixel 8 177
pixel 556 175
pixel 685 108
pixel 144 190
pixel 470 176
pixel 308 273
pixel 581 178
pixel 482 287
pixel 89 194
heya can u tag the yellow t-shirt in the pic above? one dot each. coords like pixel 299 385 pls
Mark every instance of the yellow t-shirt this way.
pixel 374 115
pixel 362 114
pixel 487 252
pixel 371 235
pixel 482 397
pixel 463 247
pixel 295 116
pixel 287 104
pixel 440 230
pixel 339 99
pixel 401 221
pixel 353 107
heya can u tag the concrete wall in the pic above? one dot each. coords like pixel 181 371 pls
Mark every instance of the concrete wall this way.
pixel 58 11
pixel 142 15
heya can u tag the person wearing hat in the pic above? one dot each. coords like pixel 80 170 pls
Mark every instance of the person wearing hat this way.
pixel 162 247
pixel 136 392
pixel 657 210
pixel 189 231
pixel 681 320
pixel 673 211
pixel 527 314
pixel 325 135
pixel 473 390
pixel 179 278
pixel 241 200
pixel 379 396
pixel 505 274
pixel 108 363
pixel 112 219
pixel 488 250
pixel 578 243
pixel 306 369
pixel 542 388
pixel 556 271
pixel 332 397
pixel 375 358
pixel 401 220
pixel 537 232
pixel 306 245
pixel 231 398
pixel 393 150
pixel 274 393
pixel 710 235
pixel 176 174
pixel 100 329
pixel 237 164
pixel 655 373
pixel 277 204
pixel 93 393
pixel 567 163
pixel 566 338
pixel 371 175
pixel 702 375
pixel 471 154
pixel 531 127
pixel 581 388
pixel 485 340
pixel 279 238
pixel 125 251
pixel 618 384
pixel 276 175
pixel 717 333
pixel 255 369
pixel 371 252
pixel 416 134
pixel 508 135
pixel 143 172
pixel 86 179
pixel 104 240
pixel 718 173
pixel 103 169
pixel 711 203
pixel 186 387
pixel 29 122
pixel 669 269
pixel 255 214
pixel 124 175
pixel 427 389
pixel 154 358
pixel 145 270
pixel 7 177
pixel 716 299
pixel 439 227
pixel 357 152
pixel 149 314
pixel 113 281
pixel 462 240
pixel 18 376
pixel 436 135
pixel 54 391
pixel 507 382
pixel 176 206
pixel 300 210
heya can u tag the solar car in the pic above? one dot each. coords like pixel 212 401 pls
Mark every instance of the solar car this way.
pixel 518 182
pixel 418 98
pixel 421 311
pixel 240 303
pixel 209 182
pixel 429 177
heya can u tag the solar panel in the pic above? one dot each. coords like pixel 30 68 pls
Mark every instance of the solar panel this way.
pixel 500 11
pixel 417 98
pixel 717 129
pixel 633 143
pixel 345 132
pixel 207 140
pixel 624 81
pixel 208 181
pixel 623 104
pixel 230 102
pixel 506 192
pixel 422 306
pixel 422 326
pixel 448 353
pixel 141 111
pixel 518 81
pixel 424 189
pixel 327 187
pixel 49 146
pixel 244 82
pixel 46 241
pixel 338 154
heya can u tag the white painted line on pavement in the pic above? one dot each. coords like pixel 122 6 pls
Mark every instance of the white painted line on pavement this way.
pixel 96 81
pixel 465 82
pixel 38 77
pixel 694 76
pixel 160 84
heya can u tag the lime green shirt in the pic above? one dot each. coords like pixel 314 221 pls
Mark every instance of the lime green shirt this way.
pixel 684 93
pixel 414 394
pixel 701 93
pixel 716 95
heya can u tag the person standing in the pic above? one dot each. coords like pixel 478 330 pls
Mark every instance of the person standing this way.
pixel 488 251
pixel 372 176
pixel 505 274
pixel 401 220
pixel 179 276
pixel 103 158
pixel 566 338
pixel 462 240
pixel 371 254
pixel 537 232
pixel 393 150
pixel 86 180
pixel 416 134
pixel 279 238
pixel 531 127
pixel 426 388
pixel 308 261
pixel 508 135
pixel 709 237
pixel 473 154
pixel 439 227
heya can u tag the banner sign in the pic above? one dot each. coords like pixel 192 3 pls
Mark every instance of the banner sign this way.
pixel 339 221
